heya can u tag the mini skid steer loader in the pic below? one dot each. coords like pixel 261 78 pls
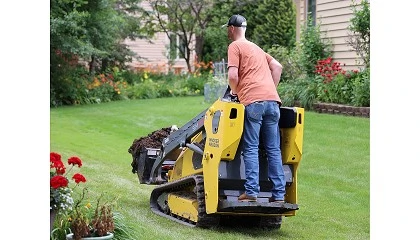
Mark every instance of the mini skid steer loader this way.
pixel 199 169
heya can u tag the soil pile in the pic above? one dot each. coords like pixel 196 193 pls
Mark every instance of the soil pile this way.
pixel 153 140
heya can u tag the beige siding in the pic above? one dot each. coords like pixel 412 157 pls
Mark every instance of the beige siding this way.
pixel 146 5
pixel 333 17
pixel 302 13
pixel 343 47
pixel 338 33
pixel 334 26
pixel 330 5
pixel 298 17
pixel 153 55
pixel 324 20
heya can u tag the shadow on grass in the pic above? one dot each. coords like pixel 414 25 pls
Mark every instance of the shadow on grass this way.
pixel 254 226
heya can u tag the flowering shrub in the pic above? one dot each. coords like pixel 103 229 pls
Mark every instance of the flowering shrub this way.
pixel 105 88
pixel 60 193
pixel 328 69
pixel 337 84
pixel 202 67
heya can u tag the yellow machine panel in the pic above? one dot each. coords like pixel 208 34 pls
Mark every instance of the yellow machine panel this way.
pixel 183 204
pixel 224 125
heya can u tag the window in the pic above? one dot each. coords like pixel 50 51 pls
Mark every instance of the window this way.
pixel 177 48
pixel 312 11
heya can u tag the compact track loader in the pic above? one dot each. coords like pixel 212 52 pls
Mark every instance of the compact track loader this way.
pixel 199 169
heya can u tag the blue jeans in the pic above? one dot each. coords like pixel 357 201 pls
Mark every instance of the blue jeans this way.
pixel 263 117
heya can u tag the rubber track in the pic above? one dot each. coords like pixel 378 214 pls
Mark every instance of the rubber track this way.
pixel 204 220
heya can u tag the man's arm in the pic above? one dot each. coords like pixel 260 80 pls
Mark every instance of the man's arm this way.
pixel 276 69
pixel 233 79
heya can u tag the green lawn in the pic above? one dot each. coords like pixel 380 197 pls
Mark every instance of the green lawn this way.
pixel 333 176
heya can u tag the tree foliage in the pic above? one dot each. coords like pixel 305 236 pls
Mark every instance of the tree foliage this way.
pixel 275 24
pixel 269 23
pixel 94 29
pixel 215 37
pixel 68 28
pixel 89 31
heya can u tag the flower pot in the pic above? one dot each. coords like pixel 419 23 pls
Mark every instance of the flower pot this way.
pixel 108 236
pixel 53 213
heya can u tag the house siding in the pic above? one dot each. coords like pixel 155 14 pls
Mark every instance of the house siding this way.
pixel 148 54
pixel 153 55
pixel 333 17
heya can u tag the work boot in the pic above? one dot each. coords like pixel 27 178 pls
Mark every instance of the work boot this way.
pixel 272 200
pixel 245 198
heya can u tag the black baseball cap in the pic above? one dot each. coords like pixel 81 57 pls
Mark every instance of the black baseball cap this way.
pixel 236 20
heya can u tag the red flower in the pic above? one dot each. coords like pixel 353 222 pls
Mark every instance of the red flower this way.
pixel 79 178
pixel 60 190
pixel 55 162
pixel 75 161
pixel 60 169
pixel 55 157
pixel 58 181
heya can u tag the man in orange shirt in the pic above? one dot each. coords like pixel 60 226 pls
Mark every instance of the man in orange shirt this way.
pixel 253 77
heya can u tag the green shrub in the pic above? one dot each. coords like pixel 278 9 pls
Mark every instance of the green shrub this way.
pixel 288 92
pixel 196 83
pixel 289 60
pixel 308 91
pixel 339 90
pixel 304 90
pixel 313 47
pixel 359 39
pixel 105 88
pixel 161 85
pixel 361 89
pixel 77 87
pixel 144 90
pixel 69 86
pixel 130 77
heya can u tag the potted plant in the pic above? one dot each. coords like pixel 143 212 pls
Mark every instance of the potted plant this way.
pixel 91 222
pixel 61 200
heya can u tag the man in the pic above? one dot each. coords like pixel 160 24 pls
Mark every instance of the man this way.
pixel 253 77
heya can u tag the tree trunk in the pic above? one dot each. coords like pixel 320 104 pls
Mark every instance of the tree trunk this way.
pixel 104 65
pixel 92 65
pixel 187 60
pixel 199 44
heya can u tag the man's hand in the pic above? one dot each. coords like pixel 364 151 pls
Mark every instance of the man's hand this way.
pixel 233 97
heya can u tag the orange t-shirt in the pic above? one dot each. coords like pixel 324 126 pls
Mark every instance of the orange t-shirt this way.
pixel 255 80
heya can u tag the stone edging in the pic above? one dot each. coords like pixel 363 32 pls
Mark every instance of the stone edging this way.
pixel 332 108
